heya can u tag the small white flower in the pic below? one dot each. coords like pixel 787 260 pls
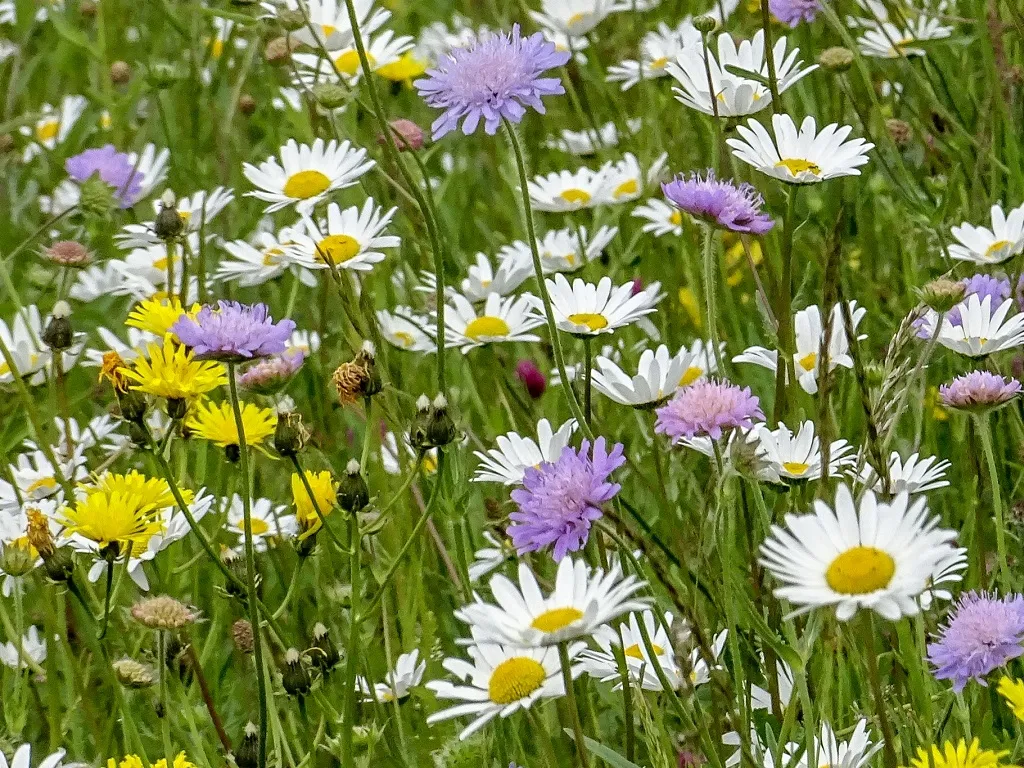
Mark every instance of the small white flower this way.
pixel 657 377
pixel 658 49
pixel 406 329
pixel 626 180
pixel 348 239
pixel 570 191
pixel 585 309
pixel 662 218
pixel 515 454
pixel 561 250
pixel 268 521
pixel 982 245
pixel 196 213
pixel 885 39
pixel 915 475
pixel 53 126
pixel 603 665
pixel 791 458
pixel 500 320
pixel 262 260
pixel 31 647
pixel 588 141
pixel 981 331
pixel 574 18
pixel 398 683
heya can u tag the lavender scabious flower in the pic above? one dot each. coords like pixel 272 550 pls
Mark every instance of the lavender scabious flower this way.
pixel 984 633
pixel 559 500
pixel 721 203
pixel 978 391
pixel 495 78
pixel 792 12
pixel 707 408
pixel 269 375
pixel 233 332
pixel 115 169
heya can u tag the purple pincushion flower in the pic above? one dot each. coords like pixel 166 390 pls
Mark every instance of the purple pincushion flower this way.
pixel 983 634
pixel 721 203
pixel 560 499
pixel 978 391
pixel 270 374
pixel 707 408
pixel 115 169
pixel 495 78
pixel 233 332
pixel 792 12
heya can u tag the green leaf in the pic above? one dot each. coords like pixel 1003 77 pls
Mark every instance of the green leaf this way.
pixel 73 35
pixel 757 77
pixel 607 754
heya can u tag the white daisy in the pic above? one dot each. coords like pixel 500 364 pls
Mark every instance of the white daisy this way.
pixel 306 342
pixel 569 191
pixel 561 250
pixel 626 180
pixel 662 218
pixel 196 212
pixel 500 681
pixel 809 335
pixel 261 261
pixel 483 280
pixel 804 157
pixel 885 39
pixel 406 329
pixel 982 245
pixel 144 270
pixel 603 665
pixel 22 758
pixel 398 683
pixel 585 309
pixel 490 558
pixel 515 454
pixel 96 281
pixel 311 69
pixel 349 239
pixel 269 521
pixel 31 647
pixel 128 351
pixel 500 320
pixel 788 458
pixel 305 174
pixel 53 125
pixel 574 18
pixel 64 197
pixel 880 556
pixel 658 49
pixel 856 752
pixel 582 601
pixel 699 360
pixel 391 461
pixel 587 142
pixel 981 330
pixel 761 698
pixel 915 475
pixel 658 374
pixel 328 20
pixel 700 668
pixel 734 94
pixel 151 165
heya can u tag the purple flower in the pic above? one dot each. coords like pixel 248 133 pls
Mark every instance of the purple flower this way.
pixel 233 332
pixel 722 203
pixel 792 12
pixel 495 78
pixel 706 408
pixel 113 168
pixel 978 391
pixel 559 500
pixel 984 633
pixel 269 375
pixel 532 378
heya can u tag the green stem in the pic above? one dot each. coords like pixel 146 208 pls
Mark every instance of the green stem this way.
pixel 867 629
pixel 710 273
pixel 769 55
pixel 784 310
pixel 588 388
pixel 985 430
pixel 352 653
pixel 577 726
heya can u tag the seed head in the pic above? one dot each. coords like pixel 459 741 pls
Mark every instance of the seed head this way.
pixel 68 253
pixel 164 612
pixel 133 674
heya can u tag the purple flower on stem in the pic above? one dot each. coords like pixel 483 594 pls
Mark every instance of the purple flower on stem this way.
pixel 721 203
pixel 233 332
pixel 269 375
pixel 984 633
pixel 115 169
pixel 978 391
pixel 707 408
pixel 495 78
pixel 559 500
pixel 792 12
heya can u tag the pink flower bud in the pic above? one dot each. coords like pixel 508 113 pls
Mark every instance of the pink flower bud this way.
pixel 532 378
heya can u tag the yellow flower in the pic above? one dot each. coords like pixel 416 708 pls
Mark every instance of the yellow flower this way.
pixel 171 371
pixel 134 761
pixel 216 423
pixel 121 510
pixel 1013 691
pixel 688 300
pixel 403 69
pixel 960 755
pixel 158 315
pixel 324 489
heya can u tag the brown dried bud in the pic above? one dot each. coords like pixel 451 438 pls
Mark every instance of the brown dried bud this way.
pixel 241 634
pixel 900 131
pixel 407 135
pixel 133 674
pixel 6 142
pixel 38 533
pixel 120 72
pixel 164 612
pixel 246 104
pixel 68 253
pixel 278 51
pixel 358 378
pixel 87 8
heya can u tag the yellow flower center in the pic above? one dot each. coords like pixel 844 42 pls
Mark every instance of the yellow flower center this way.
pixel 348 62
pixel 306 184
pixel 576 196
pixel 860 570
pixel 106 121
pixel 692 374
pixel 808 361
pixel 488 325
pixel 515 679
pixel 338 248
pixel 591 320
pixel 660 63
pixel 404 338
pixel 575 19
pixel 634 652
pixel 259 527
pixel 272 257
pixel 429 463
pixel 47 484
pixel 797 165
pixel 997 246
pixel 217 48
pixel 47 131
pixel 556 619
pixel 675 218
pixel 328 29
pixel 629 187
pixel 404 68
pixel 795 467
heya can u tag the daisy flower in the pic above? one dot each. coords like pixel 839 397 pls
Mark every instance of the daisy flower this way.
pixel 398 683
pixel 789 458
pixel 707 408
pixel 268 520
pixel 490 558
pixel 983 245
pixel 661 218
pixel 585 309
pixel 582 600
pixel 348 238
pixel 382 50
pixel 391 461
pixel 734 95
pixel 981 330
pixel 885 39
pixel 856 752
pixel 658 49
pixel 588 141
pixel 196 212
pixel 501 320
pixel 700 360
pixel 495 78
pixel 263 259
pixel 915 475
pixel 53 126
pixel 501 680
pixel 800 157
pixel 33 478
pixel 406 329
pixel 328 21
pixel 658 374
pixel 17 655
pixel 306 174
pixel 561 250
pixel 603 665
pixel 626 181
pixel 216 422
pixel 23 338
pixel 22 758
pixel 483 280
pixel 564 191
pixel 573 18
pixel 507 464
pixel 878 555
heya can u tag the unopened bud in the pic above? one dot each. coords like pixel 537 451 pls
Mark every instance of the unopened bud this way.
pixel 353 494
pixel 133 674
pixel 163 75
pixel 836 58
pixel 705 24
pixel 900 131
pixel 289 434
pixel 330 95
pixel 291 18
pixel 324 653
pixel 532 377
pixel 96 197
pixel 58 334
pixel 17 558
pixel 246 104
pixel 407 135
pixel 241 635
pixel 120 72
pixel 295 676
pixel 874 373
pixel 169 224
pixel 441 429
pixel 943 294
pixel 7 143
pixel 247 754
pixel 87 8
pixel 164 612
pixel 278 51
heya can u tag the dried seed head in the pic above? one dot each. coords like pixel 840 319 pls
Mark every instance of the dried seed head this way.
pixel 246 104
pixel 38 533
pixel 900 131
pixel 120 72
pixel 164 612
pixel 133 674
pixel 290 435
pixel 278 51
pixel 241 634
pixel 943 294
pixel 836 58
pixel 68 253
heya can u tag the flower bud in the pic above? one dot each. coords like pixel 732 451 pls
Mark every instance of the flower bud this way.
pixel 164 612
pixel 330 95
pixel 407 135
pixel 120 72
pixel 353 494
pixel 289 434
pixel 324 654
pixel 441 429
pixel 17 558
pixel 163 75
pixel 900 131
pixel 169 225
pixel 133 674
pixel 247 754
pixel 295 676
pixel 874 373
pixel 278 51
pixel 836 58
pixel 418 431
pixel 246 104
pixel 705 24
pixel 291 18
pixel 7 143
pixel 532 378
pixel 58 333
pixel 943 294
pixel 68 253
pixel 236 565
pixel 96 197
pixel 87 8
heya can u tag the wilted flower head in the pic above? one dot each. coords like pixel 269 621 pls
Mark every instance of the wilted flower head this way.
pixel 115 169
pixel 269 375
pixel 983 634
pixel 68 253
pixel 560 499
pixel 133 674
pixel 164 612
pixel 721 203
pixel 495 78
pixel 978 391
pixel 707 408
pixel 233 332
pixel 792 12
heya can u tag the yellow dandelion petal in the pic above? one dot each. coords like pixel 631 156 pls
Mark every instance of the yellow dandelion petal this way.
pixel 157 315
pixel 216 423
pixel 171 371
pixel 1013 691
pixel 324 489
pixel 960 755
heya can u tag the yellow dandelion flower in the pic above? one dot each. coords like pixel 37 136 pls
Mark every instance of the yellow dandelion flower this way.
pixel 324 488
pixel 134 761
pixel 157 315
pixel 404 69
pixel 216 423
pixel 1013 691
pixel 172 371
pixel 120 510
pixel 960 755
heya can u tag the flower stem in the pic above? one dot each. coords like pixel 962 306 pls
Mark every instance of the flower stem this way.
pixel 577 726
pixel 588 384
pixel 985 430
pixel 769 55
pixel 784 310
pixel 352 654
pixel 250 571
pixel 709 258
pixel 867 644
